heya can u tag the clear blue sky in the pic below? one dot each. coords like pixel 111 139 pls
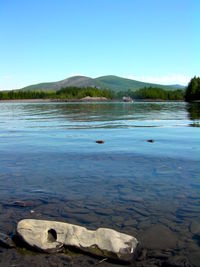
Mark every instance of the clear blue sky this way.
pixel 49 40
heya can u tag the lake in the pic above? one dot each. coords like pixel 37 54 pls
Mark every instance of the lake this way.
pixel 52 168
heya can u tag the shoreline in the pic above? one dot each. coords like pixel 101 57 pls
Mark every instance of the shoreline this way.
pixel 40 100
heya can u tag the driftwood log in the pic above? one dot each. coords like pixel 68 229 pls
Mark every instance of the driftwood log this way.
pixel 51 236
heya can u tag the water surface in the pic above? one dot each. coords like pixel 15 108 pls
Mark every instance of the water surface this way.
pixel 52 168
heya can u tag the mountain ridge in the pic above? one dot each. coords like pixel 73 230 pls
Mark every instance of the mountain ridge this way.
pixel 111 82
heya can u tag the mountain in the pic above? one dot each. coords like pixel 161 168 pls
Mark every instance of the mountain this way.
pixel 122 84
pixel 114 83
pixel 76 81
pixel 178 86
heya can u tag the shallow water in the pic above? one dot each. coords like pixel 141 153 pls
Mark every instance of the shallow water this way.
pixel 52 168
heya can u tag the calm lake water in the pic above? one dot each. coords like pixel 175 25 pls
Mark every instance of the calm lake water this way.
pixel 52 168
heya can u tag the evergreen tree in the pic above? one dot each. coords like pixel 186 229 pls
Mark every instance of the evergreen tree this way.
pixel 193 90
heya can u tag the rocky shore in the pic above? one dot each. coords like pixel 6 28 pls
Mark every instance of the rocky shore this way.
pixel 86 99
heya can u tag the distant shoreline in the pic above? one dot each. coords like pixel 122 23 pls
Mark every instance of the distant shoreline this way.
pixel 25 100
pixel 82 101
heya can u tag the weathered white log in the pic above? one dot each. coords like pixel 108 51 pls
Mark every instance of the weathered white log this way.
pixel 51 236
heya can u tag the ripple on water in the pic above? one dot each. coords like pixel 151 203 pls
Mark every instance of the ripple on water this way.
pixel 53 169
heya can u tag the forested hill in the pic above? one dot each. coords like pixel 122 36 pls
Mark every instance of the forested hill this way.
pixel 111 82
pixel 122 84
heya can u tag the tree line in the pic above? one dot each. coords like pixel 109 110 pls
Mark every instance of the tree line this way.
pixel 19 94
pixel 191 93
pixel 64 93
pixel 193 90
pixel 78 93
pixel 154 93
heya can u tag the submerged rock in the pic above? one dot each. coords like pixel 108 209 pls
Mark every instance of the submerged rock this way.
pixel 99 141
pixel 6 241
pixel 150 140
pixel 159 237
pixel 50 236
pixel 195 227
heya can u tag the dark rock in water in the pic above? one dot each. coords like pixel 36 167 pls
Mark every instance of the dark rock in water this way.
pixel 194 258
pixel 195 228
pixel 19 203
pixel 100 142
pixel 197 238
pixel 159 237
pixel 150 140
pixel 142 255
pixel 6 241
pixel 177 261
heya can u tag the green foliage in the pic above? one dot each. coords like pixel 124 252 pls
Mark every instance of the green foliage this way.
pixel 78 93
pixel 154 93
pixel 193 90
pixel 7 95
pixel 64 93
pixel 119 84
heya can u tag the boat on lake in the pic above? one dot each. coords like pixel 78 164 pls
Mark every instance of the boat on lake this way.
pixel 127 99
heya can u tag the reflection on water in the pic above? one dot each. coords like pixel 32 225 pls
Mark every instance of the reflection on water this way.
pixel 194 113
pixel 51 168
pixel 93 115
